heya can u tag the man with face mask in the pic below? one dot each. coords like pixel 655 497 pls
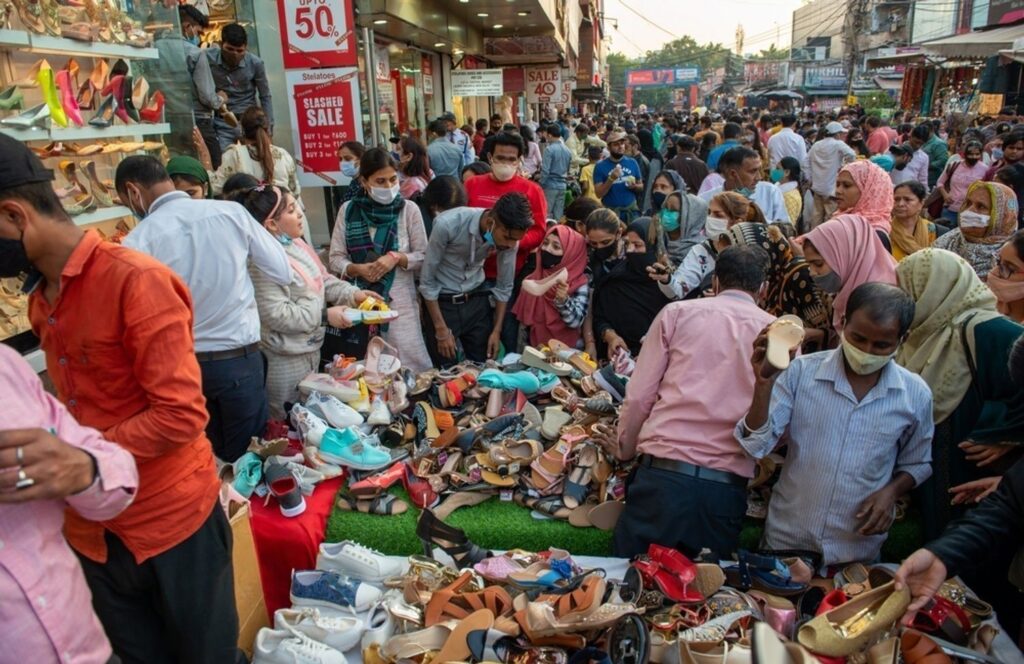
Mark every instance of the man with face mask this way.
pixel 116 327
pixel 689 491
pixel 860 430
pixel 908 164
pixel 240 76
pixel 741 168
pixel 458 139
pixel 209 244
pixel 618 178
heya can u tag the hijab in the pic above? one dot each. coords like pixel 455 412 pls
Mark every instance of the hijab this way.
pixel 876 199
pixel 646 139
pixel 693 215
pixel 853 250
pixel 908 242
pixel 1002 223
pixel 190 166
pixel 538 313
pixel 946 293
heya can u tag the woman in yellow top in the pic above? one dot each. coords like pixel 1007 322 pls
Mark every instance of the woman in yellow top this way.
pixel 910 231
pixel 786 177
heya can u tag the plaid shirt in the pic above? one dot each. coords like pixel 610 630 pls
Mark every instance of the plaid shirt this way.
pixel 574 309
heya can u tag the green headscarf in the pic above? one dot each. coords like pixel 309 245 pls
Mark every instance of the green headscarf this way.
pixel 190 166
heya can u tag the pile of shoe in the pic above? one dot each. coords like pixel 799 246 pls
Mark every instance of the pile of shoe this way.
pixel 275 468
pixel 87 21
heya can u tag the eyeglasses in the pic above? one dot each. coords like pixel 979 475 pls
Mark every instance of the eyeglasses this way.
pixel 1002 269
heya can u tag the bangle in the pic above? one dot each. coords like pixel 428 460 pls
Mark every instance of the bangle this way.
pixel 397 256
pixel 445 337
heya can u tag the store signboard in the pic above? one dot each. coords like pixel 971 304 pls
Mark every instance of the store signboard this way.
pixel 544 85
pixel 317 33
pixel 513 79
pixel 427 69
pixel 476 82
pixel 325 113
pixel 1005 11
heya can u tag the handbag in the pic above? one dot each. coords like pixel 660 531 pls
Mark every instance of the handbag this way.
pixel 934 202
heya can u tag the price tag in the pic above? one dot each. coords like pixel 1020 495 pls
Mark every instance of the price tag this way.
pixel 505 495
pixel 317 33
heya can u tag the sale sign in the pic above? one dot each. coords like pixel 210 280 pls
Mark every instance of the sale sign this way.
pixel 544 85
pixel 317 33
pixel 325 113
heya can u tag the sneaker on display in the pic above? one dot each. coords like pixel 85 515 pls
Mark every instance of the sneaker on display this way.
pixel 314 461
pixel 338 632
pixel 309 426
pixel 284 487
pixel 380 414
pixel 352 559
pixel 339 415
pixel 347 447
pixel 330 590
pixel 281 646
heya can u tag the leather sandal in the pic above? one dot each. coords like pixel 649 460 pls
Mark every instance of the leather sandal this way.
pixel 550 466
pixel 577 484
pixel 384 505
pixel 450 603
pixel 919 649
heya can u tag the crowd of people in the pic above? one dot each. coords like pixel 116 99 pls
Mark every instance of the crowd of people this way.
pixel 669 238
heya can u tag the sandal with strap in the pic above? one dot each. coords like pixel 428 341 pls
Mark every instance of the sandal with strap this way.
pixel 767 573
pixel 450 603
pixel 384 505
pixel 548 467
pixel 577 483
pixel 453 541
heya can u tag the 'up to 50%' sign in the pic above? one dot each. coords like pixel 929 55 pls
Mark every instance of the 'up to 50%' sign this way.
pixel 544 85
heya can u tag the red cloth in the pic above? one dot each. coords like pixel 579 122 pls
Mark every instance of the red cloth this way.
pixel 543 319
pixel 484 191
pixel 284 544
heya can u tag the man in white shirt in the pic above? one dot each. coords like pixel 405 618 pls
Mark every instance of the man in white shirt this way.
pixel 908 164
pixel 824 160
pixel 741 168
pixel 209 244
pixel 787 143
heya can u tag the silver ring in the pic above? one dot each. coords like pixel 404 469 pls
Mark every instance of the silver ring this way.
pixel 19 454
pixel 24 481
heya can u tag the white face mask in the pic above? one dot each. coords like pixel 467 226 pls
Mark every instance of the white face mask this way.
pixel 504 172
pixel 863 363
pixel 715 226
pixel 384 195
pixel 974 220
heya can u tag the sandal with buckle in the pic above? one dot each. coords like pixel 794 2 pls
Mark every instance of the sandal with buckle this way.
pixel 577 484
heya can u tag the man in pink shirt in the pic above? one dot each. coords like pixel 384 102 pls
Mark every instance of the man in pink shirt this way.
pixel 880 135
pixel 691 381
pixel 48 462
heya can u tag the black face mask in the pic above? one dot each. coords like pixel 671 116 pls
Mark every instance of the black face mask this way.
pixel 13 259
pixel 603 253
pixel 658 198
pixel 971 161
pixel 900 167
pixel 548 260
pixel 640 261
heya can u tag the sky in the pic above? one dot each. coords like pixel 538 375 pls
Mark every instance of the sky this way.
pixel 716 21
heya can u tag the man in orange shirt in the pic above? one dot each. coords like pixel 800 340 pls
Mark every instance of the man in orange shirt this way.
pixel 116 327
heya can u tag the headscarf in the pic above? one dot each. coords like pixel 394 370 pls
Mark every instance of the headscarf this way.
pixel 646 139
pixel 538 313
pixel 1001 225
pixel 854 251
pixel 693 215
pixel 908 242
pixel 791 289
pixel 190 166
pixel 875 203
pixel 362 213
pixel 946 292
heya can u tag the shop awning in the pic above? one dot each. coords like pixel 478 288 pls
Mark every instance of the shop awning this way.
pixel 1010 55
pixel 978 44
pixel 879 61
pixel 888 83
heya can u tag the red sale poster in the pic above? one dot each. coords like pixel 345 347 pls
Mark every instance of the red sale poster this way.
pixel 317 33
pixel 325 113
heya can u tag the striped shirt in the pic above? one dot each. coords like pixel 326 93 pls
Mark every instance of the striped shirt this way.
pixel 574 309
pixel 840 452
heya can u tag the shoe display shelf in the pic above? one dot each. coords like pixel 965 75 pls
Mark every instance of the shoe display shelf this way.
pixel 33 43
pixel 87 133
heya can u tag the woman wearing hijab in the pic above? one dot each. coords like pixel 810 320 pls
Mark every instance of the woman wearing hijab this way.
pixel 379 243
pixel 559 313
pixel 1006 279
pixel 1013 177
pixel 911 231
pixel 627 299
pixel 189 176
pixel 682 216
pixel 791 288
pixel 865 190
pixel 987 219
pixel 843 253
pixel 959 344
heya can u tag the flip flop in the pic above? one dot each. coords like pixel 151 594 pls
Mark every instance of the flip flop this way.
pixel 784 334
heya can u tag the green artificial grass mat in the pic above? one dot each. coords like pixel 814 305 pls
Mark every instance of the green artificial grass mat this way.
pixel 505 525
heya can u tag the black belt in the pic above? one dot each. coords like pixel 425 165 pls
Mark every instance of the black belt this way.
pixel 214 355
pixel 690 470
pixel 461 298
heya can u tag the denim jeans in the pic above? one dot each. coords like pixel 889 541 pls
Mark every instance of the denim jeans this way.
pixel 236 401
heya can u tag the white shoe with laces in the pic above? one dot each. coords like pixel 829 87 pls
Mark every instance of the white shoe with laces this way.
pixel 339 415
pixel 380 415
pixel 285 646
pixel 355 560
pixel 380 624
pixel 309 426
pixel 339 632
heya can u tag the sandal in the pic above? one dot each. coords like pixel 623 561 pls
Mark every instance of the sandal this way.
pixel 578 359
pixel 426 425
pixel 538 359
pixel 381 364
pixel 450 603
pixel 383 504
pixel 767 573
pixel 453 541
pixel 577 483
pixel 550 466
pixel 784 334
pixel 606 515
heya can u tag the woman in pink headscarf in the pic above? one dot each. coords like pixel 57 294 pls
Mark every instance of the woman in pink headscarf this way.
pixel 844 253
pixel 559 313
pixel 865 190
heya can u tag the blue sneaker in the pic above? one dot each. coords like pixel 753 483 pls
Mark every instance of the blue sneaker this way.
pixel 248 473
pixel 331 591
pixel 347 447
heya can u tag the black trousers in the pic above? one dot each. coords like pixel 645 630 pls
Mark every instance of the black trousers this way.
pixel 205 127
pixel 471 322
pixel 175 608
pixel 682 512
pixel 236 399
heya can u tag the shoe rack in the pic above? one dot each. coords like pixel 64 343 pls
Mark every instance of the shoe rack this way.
pixel 71 88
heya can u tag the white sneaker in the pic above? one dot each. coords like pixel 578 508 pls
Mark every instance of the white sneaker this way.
pixel 339 415
pixel 380 414
pixel 316 462
pixel 309 426
pixel 275 646
pixel 380 625
pixel 339 632
pixel 345 390
pixel 355 560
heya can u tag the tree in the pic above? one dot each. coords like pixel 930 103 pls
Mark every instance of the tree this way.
pixel 771 53
pixel 684 51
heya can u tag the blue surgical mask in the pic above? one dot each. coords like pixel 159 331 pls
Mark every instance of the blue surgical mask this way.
pixel 284 239
pixel 194 40
pixel 777 174
pixel 997 153
pixel 746 192
pixel 669 220
pixel 489 238
pixel 350 169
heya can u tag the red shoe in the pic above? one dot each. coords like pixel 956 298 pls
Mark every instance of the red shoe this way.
pixel 670 585
pixel 832 600
pixel 154 112
pixel 674 561
pixel 418 488
pixel 375 484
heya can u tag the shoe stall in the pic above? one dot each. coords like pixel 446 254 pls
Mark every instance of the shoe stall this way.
pixel 445 464
pixel 77 85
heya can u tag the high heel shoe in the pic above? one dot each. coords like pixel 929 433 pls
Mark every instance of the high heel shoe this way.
pixel 140 92
pixel 104 116
pixel 115 88
pixel 103 193
pixel 453 541
pixel 33 117
pixel 67 97
pixel 126 99
pixel 31 79
pixel 88 93
pixel 11 98
pixel 49 87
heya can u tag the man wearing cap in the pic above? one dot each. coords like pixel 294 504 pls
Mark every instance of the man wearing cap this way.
pixel 908 164
pixel 458 137
pixel 618 178
pixel 209 244
pixel 116 327
pixel 825 159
